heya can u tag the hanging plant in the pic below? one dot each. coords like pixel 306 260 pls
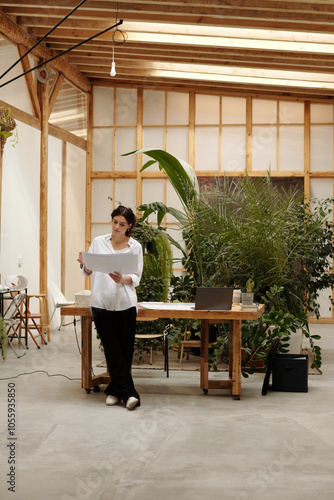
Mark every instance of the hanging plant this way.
pixel 7 128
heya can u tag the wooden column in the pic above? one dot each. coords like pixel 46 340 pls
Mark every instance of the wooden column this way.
pixel 43 229
pixel 63 218
pixel 89 168
pixel 191 145
pixel 139 159
pixel 249 119
pixel 307 150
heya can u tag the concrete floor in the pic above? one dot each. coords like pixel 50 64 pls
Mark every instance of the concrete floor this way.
pixel 179 444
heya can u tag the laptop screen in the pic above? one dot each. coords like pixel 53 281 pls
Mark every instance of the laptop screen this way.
pixel 214 298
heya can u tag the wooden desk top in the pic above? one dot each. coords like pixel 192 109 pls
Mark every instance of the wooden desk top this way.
pixel 144 313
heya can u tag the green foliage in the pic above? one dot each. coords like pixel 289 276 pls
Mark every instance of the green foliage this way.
pixel 258 336
pixel 158 260
pixel 180 174
pixel 155 281
pixel 248 229
pixel 8 126
pixel 3 339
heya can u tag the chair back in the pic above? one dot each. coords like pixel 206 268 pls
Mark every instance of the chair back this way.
pixel 16 282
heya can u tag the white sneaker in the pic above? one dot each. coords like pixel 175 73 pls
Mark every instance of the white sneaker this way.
pixel 111 401
pixel 131 403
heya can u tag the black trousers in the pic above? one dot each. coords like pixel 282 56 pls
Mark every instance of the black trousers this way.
pixel 116 330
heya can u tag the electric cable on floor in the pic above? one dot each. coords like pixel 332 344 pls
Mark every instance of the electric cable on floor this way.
pixel 41 371
pixel 55 374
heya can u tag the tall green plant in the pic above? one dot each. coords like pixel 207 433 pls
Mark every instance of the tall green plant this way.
pixel 158 260
pixel 247 228
pixel 3 338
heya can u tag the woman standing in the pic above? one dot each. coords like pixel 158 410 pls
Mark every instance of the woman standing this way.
pixel 114 307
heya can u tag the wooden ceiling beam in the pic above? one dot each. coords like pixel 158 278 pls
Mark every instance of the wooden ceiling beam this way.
pixel 320 26
pixel 200 7
pixel 14 33
pixel 244 62
pixel 32 90
pixel 289 93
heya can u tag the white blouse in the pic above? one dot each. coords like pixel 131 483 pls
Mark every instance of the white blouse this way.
pixel 106 294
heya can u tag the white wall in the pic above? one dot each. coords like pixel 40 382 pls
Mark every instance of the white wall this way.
pixel 54 210
pixel 20 203
pixel 20 207
pixel 14 93
pixel 75 218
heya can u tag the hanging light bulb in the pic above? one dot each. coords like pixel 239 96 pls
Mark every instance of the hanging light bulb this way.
pixel 113 69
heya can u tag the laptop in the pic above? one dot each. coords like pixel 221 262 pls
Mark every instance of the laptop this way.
pixel 214 298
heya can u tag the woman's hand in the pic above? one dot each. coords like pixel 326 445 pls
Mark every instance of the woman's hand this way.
pixel 119 278
pixel 80 259
pixel 82 263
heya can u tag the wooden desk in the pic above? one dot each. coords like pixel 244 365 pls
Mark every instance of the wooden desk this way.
pixel 233 317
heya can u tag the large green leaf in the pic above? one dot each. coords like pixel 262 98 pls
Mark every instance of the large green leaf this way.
pixel 180 173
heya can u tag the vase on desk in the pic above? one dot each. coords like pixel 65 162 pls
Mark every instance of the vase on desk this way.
pixel 247 298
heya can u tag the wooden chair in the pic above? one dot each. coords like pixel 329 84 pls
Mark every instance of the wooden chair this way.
pixel 38 321
pixel 13 322
pixel 188 344
pixel 149 337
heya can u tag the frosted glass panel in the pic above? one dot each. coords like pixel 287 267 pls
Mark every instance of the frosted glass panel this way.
pixel 103 149
pixel 321 113
pixel 291 148
pixel 154 107
pixel 102 194
pixel 291 112
pixel 177 108
pixel 125 143
pixel 207 109
pixel 264 148
pixel 233 110
pixel 100 229
pixel 103 106
pixel 321 188
pixel 177 142
pixel 264 111
pixel 234 148
pixel 172 201
pixel 126 107
pixel 125 192
pixel 321 147
pixel 154 138
pixel 153 190
pixel 207 148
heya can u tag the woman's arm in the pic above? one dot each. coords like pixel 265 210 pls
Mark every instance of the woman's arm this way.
pixel 82 263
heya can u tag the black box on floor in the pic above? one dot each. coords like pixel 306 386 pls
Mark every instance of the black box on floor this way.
pixel 290 373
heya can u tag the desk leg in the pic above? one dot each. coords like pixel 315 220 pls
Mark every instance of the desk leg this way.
pixel 236 359
pixel 86 352
pixel 205 355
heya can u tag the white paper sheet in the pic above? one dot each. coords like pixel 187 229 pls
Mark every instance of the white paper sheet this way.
pixel 123 263
pixel 182 306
